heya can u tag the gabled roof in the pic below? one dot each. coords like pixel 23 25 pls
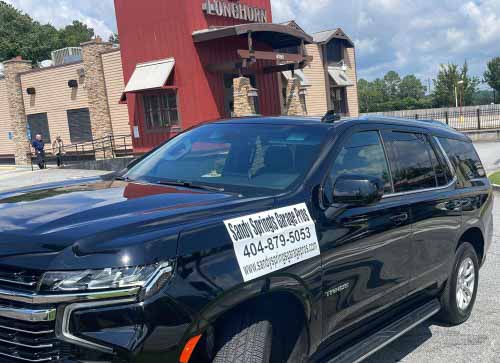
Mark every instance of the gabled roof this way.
pixel 293 24
pixel 327 35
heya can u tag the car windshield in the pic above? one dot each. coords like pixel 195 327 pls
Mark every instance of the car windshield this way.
pixel 243 158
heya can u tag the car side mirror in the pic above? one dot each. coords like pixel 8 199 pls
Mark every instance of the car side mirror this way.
pixel 357 190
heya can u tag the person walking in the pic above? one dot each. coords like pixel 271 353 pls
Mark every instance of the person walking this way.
pixel 39 147
pixel 58 151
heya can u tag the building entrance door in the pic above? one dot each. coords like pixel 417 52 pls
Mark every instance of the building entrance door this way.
pixel 229 93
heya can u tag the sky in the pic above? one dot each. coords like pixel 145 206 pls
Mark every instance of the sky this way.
pixel 408 36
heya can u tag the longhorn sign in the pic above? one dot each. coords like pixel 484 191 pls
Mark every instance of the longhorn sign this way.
pixel 234 10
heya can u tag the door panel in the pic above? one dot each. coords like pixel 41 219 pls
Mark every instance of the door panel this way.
pixel 436 218
pixel 366 254
pixel 365 250
pixel 423 176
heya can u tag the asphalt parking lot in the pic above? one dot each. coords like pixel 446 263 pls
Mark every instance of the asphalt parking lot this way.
pixel 478 340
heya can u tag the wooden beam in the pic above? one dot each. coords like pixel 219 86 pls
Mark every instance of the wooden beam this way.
pixel 285 67
pixel 274 56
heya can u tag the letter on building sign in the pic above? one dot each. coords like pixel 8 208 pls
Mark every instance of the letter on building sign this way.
pixel 219 8
pixel 235 13
pixel 227 10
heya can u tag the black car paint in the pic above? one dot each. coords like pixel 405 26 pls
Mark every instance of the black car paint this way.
pixel 373 249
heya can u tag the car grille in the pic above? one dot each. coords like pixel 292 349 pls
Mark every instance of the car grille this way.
pixel 28 342
pixel 21 340
pixel 28 319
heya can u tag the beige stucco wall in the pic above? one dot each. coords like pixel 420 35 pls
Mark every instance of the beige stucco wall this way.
pixel 6 146
pixel 115 85
pixel 317 96
pixel 54 97
pixel 352 92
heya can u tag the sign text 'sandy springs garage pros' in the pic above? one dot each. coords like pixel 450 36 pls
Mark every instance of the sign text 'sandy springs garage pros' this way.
pixel 272 240
pixel 235 10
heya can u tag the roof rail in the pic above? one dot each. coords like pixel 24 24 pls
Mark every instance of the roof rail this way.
pixel 395 118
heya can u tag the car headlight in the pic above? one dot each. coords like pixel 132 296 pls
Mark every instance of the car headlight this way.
pixel 151 277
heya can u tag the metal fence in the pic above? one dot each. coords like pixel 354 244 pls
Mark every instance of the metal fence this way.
pixel 462 119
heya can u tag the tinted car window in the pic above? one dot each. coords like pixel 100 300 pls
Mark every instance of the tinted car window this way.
pixel 443 172
pixel 248 159
pixel 464 158
pixel 411 161
pixel 362 154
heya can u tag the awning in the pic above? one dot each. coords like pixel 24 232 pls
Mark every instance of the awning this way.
pixel 150 75
pixel 339 76
pixel 277 35
pixel 304 82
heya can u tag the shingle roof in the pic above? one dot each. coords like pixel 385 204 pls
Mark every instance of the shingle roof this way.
pixel 326 35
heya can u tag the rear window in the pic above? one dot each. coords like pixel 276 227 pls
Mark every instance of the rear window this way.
pixel 412 161
pixel 465 160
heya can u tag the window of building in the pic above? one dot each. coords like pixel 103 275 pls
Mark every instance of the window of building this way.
pixel 338 100
pixel 38 124
pixel 465 160
pixel 80 128
pixel 160 110
pixel 363 154
pixel 335 52
pixel 410 157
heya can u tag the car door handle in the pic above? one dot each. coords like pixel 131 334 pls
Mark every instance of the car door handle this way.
pixel 400 218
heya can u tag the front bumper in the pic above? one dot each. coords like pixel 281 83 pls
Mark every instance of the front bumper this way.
pixel 108 326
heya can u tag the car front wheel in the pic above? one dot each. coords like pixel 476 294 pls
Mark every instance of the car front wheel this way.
pixel 244 339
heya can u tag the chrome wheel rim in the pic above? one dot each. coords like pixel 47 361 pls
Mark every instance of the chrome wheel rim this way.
pixel 466 282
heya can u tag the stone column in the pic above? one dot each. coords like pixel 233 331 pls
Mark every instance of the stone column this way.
pixel 293 105
pixel 12 70
pixel 95 84
pixel 243 105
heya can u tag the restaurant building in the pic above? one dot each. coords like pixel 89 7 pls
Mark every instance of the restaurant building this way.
pixel 180 63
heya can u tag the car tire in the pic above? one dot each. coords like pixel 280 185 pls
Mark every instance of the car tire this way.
pixel 459 294
pixel 244 338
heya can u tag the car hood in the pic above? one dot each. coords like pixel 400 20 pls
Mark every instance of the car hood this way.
pixel 101 223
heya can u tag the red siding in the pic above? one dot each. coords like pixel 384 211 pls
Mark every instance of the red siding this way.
pixel 158 29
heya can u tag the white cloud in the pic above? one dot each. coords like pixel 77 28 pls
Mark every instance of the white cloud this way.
pixel 366 46
pixel 409 36
pixel 94 13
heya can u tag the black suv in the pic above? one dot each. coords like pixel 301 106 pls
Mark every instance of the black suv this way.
pixel 251 240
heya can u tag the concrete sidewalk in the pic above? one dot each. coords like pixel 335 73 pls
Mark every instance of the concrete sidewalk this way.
pixel 12 178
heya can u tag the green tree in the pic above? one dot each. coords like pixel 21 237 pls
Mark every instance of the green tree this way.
pixel 392 81
pixel 75 34
pixel 20 35
pixel 492 74
pixel 411 87
pixel 114 38
pixel 453 81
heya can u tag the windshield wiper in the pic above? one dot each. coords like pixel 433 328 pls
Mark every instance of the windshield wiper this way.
pixel 190 185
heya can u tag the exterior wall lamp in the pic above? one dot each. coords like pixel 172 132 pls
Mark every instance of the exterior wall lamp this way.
pixel 31 91
pixel 73 83
pixel 253 92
